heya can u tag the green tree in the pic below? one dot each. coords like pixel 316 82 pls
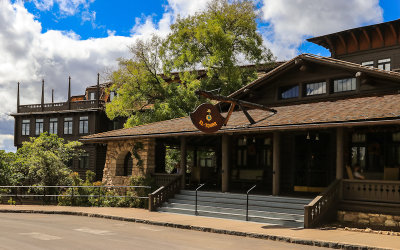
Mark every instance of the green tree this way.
pixel 6 161
pixel 43 161
pixel 219 40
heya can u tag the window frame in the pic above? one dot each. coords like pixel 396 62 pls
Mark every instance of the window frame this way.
pixel 39 126
pixel 68 126
pixel 83 125
pixel 385 64
pixel 324 88
pixel 53 126
pixel 335 87
pixel 289 89
pixel 25 127
pixel 84 161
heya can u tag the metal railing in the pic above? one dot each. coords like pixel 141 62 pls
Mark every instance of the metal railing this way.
pixel 49 193
pixel 247 201
pixel 195 208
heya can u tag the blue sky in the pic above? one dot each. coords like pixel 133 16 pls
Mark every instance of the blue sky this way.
pixel 54 39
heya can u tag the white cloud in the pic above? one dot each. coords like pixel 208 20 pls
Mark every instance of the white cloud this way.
pixel 187 7
pixel 293 20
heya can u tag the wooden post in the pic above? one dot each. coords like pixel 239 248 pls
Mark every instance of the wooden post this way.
pixel 339 153
pixel 183 161
pixel 52 96
pixel 42 100
pixel 18 100
pixel 225 163
pixel 98 90
pixel 69 93
pixel 276 163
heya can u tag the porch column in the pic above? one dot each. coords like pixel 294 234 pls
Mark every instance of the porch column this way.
pixel 339 153
pixel 183 161
pixel 276 163
pixel 225 163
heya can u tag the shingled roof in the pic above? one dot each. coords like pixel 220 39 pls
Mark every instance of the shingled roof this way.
pixel 355 111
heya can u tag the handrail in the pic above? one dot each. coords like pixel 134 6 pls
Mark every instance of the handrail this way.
pixel 195 210
pixel 164 193
pixel 323 206
pixel 247 202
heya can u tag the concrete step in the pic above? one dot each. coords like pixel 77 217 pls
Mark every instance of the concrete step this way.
pixel 271 198
pixel 242 202
pixel 268 220
pixel 257 213
pixel 266 208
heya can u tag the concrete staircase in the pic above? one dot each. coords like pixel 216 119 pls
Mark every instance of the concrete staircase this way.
pixel 273 210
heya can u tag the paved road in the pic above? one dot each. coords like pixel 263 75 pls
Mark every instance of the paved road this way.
pixel 38 231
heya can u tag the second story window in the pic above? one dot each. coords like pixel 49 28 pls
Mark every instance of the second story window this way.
pixel 342 85
pixel 53 126
pixel 68 126
pixel 316 88
pixel 25 127
pixel 368 64
pixel 83 125
pixel 384 64
pixel 39 126
pixel 289 92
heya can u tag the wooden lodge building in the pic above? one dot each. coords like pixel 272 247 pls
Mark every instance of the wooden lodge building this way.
pixel 79 116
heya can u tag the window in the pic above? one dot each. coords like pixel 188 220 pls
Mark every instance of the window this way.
pixel 316 88
pixel 68 126
pixel 84 161
pixel 342 85
pixel 83 125
pixel 92 95
pixel 25 127
pixel 242 152
pixel 128 164
pixel 384 64
pixel 289 92
pixel 112 95
pixel 368 64
pixel 39 126
pixel 53 126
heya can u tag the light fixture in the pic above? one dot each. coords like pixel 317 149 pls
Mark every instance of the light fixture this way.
pixel 254 140
pixel 245 140
pixel 317 137
pixel 308 136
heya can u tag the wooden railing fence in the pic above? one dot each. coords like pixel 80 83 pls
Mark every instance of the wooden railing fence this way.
pixel 164 193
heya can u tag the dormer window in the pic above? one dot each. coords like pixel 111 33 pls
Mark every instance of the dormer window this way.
pixel 289 92
pixel 316 88
pixel 342 85
pixel 92 95
pixel 384 64
pixel 112 95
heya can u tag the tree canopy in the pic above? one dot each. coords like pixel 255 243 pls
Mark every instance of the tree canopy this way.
pixel 43 161
pixel 209 50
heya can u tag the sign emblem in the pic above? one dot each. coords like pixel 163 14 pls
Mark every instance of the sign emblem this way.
pixel 207 118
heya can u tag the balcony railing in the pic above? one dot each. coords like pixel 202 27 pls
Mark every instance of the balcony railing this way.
pixel 59 106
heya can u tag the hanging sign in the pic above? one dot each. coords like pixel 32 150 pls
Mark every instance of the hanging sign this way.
pixel 207 118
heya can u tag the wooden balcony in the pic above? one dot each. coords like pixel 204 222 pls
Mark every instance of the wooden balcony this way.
pixel 58 106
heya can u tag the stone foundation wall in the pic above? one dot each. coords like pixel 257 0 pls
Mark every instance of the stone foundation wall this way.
pixel 368 219
pixel 116 152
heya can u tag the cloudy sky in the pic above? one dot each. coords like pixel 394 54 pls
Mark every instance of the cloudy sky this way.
pixel 54 39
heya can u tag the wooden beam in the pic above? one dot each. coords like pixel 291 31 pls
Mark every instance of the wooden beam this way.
pixel 231 108
pixel 331 47
pixel 343 42
pixel 367 37
pixel 380 35
pixel 355 39
pixel 394 32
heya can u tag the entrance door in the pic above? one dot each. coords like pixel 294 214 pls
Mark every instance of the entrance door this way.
pixel 312 162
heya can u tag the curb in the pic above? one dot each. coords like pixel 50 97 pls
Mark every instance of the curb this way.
pixel 317 243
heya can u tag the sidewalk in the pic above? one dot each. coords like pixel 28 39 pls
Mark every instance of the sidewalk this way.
pixel 326 238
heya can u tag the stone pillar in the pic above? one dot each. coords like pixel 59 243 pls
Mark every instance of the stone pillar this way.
pixel 183 160
pixel 225 163
pixel 276 163
pixel 339 153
